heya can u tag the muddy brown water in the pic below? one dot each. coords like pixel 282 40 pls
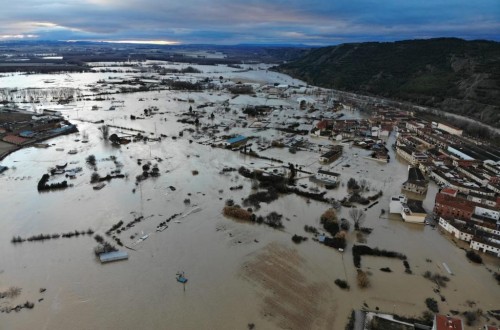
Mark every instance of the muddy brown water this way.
pixel 238 273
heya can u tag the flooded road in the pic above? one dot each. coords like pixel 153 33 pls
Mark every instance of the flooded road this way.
pixel 238 273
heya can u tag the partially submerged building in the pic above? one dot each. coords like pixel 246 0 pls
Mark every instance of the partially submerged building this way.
pixel 113 256
pixel 416 182
pixel 331 155
pixel 411 210
pixel 328 177
pixel 236 141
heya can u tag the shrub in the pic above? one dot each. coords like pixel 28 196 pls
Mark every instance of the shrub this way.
pixel 471 317
pixel 298 239
pixel 363 280
pixel 329 216
pixel 94 177
pixel 267 196
pixel 91 160
pixel 237 213
pixel 352 184
pixel 98 238
pixel 497 277
pixel 342 284
pixel 311 229
pixel 336 242
pixel 359 250
pixel 440 280
pixel 432 305
pixel 273 219
pixel 474 257
pixel 344 224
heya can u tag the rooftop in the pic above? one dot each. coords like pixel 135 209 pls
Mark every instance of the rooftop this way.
pixel 443 322
pixel 455 202
pixel 415 174
pixel 236 139
pixel 415 206
pixel 328 173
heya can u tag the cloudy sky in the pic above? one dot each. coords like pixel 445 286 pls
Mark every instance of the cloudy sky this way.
pixel 314 22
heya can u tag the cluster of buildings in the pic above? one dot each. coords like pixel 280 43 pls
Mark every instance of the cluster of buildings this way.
pixel 469 221
pixel 19 129
pixel 388 321
pixel 468 174
pixel 341 129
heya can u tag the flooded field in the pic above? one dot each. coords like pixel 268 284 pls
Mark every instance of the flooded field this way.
pixel 240 273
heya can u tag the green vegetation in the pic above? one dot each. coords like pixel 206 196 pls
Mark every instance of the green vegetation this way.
pixel 474 257
pixel 497 277
pixel 440 280
pixel 342 284
pixel 452 74
pixel 329 221
pixel 297 239
pixel 360 250
pixel 432 305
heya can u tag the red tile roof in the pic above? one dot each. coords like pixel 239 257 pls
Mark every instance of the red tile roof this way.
pixel 449 191
pixel 444 322
pixel 456 202
pixel 14 139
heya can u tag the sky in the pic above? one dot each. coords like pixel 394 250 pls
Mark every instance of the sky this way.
pixel 311 22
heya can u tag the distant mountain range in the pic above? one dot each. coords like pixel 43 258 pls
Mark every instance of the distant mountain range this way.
pixel 455 75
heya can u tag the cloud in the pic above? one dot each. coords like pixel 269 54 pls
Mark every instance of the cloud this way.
pixel 256 21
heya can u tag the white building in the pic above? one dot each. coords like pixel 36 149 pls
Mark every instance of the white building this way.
pixel 459 233
pixel 484 245
pixel 450 129
pixel 327 176
pixel 410 210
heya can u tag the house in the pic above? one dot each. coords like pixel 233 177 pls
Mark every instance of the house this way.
pixel 450 206
pixel 331 155
pixel 457 229
pixel 444 322
pixel 416 181
pixel 328 177
pixel 411 155
pixel 411 210
pixel 396 204
pixel 486 245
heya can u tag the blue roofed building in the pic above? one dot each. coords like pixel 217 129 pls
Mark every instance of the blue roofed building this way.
pixel 236 141
pixel 27 134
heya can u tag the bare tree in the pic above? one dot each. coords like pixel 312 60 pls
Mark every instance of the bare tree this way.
pixel 364 185
pixel 105 131
pixel 358 216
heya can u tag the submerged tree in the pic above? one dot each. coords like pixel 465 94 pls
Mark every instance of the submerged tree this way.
pixel 358 216
pixel 105 131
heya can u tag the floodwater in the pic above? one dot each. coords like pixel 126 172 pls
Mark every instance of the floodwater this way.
pixel 239 273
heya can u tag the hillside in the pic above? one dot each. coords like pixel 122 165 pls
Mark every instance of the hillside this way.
pixel 455 75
